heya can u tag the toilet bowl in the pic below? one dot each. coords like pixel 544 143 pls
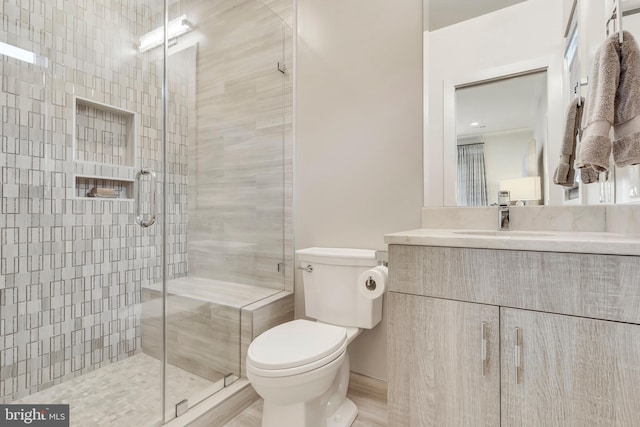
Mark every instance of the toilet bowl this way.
pixel 301 370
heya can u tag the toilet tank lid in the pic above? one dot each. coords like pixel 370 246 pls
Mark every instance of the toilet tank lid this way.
pixel 339 256
pixel 295 343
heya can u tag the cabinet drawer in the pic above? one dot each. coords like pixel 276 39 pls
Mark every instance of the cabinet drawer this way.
pixel 596 286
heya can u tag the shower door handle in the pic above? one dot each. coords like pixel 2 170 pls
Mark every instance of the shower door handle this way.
pixel 144 223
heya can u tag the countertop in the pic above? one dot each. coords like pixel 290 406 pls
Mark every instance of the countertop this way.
pixel 544 241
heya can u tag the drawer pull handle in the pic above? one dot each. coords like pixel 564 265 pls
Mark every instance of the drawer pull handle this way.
pixel 518 355
pixel 484 354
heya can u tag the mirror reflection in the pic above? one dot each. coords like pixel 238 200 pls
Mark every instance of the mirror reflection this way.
pixel 501 131
pixel 442 13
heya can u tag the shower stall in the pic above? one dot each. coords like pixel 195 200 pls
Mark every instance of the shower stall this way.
pixel 146 199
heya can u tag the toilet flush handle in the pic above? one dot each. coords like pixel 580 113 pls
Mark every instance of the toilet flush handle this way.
pixel 308 268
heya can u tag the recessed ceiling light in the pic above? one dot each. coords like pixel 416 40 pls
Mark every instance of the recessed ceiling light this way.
pixel 474 124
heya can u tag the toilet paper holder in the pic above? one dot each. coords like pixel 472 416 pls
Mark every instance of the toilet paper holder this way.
pixel 383 258
pixel 370 284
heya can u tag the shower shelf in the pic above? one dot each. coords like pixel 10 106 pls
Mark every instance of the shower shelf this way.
pixel 84 184
pixel 103 134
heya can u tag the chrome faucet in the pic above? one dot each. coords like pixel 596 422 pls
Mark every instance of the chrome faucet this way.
pixel 504 201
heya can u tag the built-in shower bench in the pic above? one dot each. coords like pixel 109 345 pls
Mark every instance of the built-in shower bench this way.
pixel 210 323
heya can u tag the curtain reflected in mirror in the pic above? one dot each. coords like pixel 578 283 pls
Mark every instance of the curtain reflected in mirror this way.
pixel 472 176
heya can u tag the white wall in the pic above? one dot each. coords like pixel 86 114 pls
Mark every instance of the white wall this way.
pixel 504 156
pixel 358 158
pixel 533 29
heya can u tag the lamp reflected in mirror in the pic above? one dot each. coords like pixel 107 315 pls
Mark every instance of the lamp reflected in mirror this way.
pixel 524 191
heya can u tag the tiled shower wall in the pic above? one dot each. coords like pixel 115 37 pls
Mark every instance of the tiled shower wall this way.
pixel 240 221
pixel 71 269
pixel 101 136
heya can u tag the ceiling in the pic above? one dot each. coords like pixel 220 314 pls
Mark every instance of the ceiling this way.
pixel 500 106
pixel 442 13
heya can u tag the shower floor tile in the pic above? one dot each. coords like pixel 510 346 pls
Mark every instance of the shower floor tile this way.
pixel 125 393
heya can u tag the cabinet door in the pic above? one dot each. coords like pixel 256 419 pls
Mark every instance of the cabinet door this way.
pixel 443 362
pixel 568 371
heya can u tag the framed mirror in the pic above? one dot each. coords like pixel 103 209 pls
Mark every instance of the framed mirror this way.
pixel 499 117
pixel 443 13
pixel 500 135
pixel 516 40
pixel 464 49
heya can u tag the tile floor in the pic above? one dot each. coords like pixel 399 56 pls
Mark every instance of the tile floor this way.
pixel 125 393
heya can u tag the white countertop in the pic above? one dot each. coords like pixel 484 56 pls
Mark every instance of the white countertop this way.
pixel 544 241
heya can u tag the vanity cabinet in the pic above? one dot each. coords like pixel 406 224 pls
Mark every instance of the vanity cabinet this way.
pixel 483 337
pixel 445 368
pixel 568 371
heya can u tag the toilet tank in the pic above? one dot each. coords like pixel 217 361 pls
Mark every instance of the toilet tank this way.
pixel 330 286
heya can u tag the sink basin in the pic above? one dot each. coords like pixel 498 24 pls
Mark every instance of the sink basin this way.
pixel 505 233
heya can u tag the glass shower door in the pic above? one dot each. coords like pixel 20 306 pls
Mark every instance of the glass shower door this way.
pixel 227 121
pixel 81 116
pixel 88 118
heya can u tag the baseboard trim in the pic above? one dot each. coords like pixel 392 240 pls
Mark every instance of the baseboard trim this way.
pixel 372 388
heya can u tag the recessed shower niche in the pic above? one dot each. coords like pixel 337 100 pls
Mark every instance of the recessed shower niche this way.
pixel 104 149
pixel 103 134
pixel 104 188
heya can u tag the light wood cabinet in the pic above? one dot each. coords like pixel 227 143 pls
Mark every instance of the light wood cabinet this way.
pixel 456 360
pixel 568 371
pixel 444 368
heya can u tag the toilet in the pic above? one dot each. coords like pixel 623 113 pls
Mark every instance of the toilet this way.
pixel 301 368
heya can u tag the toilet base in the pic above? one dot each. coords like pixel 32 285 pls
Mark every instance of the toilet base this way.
pixel 344 416
pixel 315 413
pixel 300 415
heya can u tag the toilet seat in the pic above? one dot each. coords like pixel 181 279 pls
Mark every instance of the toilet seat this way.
pixel 295 347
